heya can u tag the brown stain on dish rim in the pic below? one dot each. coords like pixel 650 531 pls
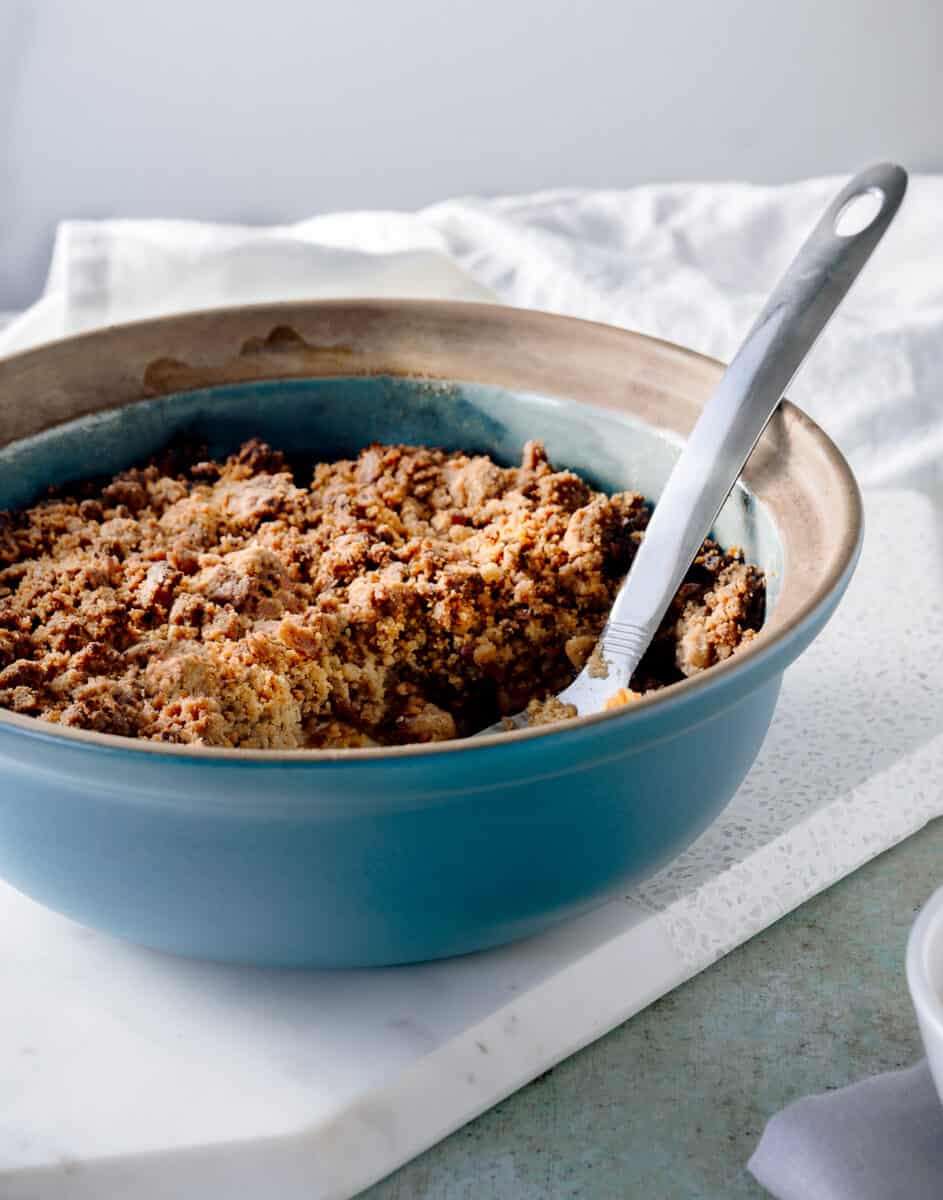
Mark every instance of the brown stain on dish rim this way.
pixel 283 353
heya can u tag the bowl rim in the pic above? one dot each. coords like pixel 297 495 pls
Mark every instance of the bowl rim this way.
pixel 767 645
pixel 927 1000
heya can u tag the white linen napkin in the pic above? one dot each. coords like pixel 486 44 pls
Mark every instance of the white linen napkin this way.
pixel 104 272
pixel 877 1140
pixel 689 262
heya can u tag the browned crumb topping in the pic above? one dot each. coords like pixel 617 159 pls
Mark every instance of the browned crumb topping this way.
pixel 407 595
pixel 622 696
pixel 549 711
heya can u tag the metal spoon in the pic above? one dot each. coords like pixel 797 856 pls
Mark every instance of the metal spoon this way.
pixel 730 426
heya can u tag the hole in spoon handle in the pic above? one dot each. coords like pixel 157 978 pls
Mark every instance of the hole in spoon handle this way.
pixel 858 212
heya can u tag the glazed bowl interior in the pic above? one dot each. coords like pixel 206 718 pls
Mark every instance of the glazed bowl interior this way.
pixel 327 419
pixel 326 379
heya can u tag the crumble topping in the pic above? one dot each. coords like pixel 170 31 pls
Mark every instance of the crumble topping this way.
pixel 408 595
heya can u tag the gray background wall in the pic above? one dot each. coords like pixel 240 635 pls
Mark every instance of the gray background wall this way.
pixel 284 108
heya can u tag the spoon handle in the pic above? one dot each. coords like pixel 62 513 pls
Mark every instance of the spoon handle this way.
pixel 746 397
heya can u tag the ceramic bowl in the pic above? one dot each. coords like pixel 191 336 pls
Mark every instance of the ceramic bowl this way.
pixel 925 980
pixel 393 855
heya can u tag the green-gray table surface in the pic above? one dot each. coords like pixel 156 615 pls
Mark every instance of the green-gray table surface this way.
pixel 672 1103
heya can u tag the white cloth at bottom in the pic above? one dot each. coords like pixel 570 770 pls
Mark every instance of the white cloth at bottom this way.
pixel 881 1139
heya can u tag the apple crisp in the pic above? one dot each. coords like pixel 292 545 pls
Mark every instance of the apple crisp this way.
pixel 407 595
